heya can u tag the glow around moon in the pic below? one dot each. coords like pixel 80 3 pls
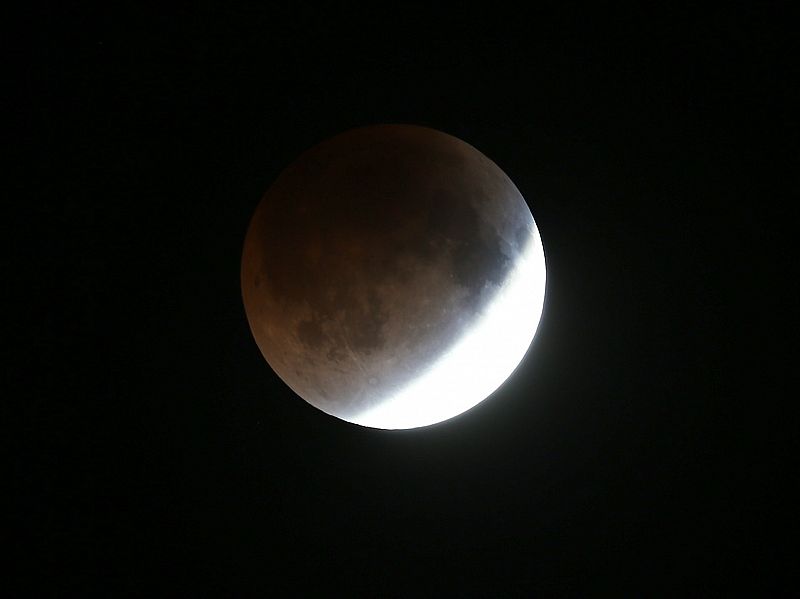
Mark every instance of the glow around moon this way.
pixel 393 276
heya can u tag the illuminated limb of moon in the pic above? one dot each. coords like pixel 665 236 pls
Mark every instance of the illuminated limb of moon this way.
pixel 479 362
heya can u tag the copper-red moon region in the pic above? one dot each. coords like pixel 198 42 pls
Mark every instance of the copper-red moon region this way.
pixel 393 276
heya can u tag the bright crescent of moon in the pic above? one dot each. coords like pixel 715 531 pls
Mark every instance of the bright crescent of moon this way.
pixel 480 361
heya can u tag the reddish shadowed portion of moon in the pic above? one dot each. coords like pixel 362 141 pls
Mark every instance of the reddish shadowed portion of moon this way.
pixel 393 276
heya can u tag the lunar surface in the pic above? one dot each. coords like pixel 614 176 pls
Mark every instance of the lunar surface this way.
pixel 393 276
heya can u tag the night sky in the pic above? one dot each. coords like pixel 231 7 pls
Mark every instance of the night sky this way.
pixel 639 447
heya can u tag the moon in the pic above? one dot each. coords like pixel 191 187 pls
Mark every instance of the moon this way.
pixel 393 276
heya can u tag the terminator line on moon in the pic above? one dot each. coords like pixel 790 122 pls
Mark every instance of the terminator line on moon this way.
pixel 393 276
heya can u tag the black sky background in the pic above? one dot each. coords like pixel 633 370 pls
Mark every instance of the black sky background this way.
pixel 637 449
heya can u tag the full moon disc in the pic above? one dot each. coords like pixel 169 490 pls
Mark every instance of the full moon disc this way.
pixel 393 276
